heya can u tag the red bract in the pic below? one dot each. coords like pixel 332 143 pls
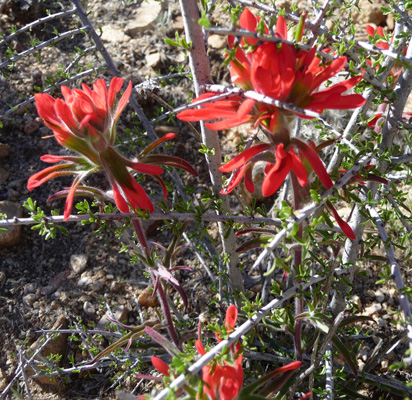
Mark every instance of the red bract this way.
pixel 381 43
pixel 85 122
pixel 160 365
pixel 222 382
pixel 279 71
pixel 281 160
pixel 240 66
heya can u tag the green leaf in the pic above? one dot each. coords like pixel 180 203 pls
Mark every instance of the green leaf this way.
pixel 204 21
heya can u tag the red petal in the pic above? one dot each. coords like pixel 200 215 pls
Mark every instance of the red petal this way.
pixel 146 168
pixel 119 199
pixel 100 97
pixel 49 173
pixel 177 162
pixel 87 90
pixel 298 168
pixel 289 367
pixel 64 112
pixel 245 107
pixel 314 160
pixel 204 114
pixel 346 229
pixel 114 88
pixel 375 119
pixel 122 102
pixel 160 365
pixel 137 196
pixel 45 107
pixel 370 30
pixel 229 123
pixel 235 180
pixel 231 317
pixel 162 184
pixel 70 197
pixel 275 177
pixel 50 158
pixel 281 28
pixel 248 21
pixel 152 146
pixel 250 187
pixel 199 347
pixel 244 157
pixel 331 70
pixel 67 93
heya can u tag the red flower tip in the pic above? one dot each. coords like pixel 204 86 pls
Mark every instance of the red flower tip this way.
pixel 160 365
pixel 346 229
pixel 199 347
pixel 231 317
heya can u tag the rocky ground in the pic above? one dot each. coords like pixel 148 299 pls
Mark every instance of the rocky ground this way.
pixel 78 280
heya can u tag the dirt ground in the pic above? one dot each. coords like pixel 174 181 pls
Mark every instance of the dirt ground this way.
pixel 71 280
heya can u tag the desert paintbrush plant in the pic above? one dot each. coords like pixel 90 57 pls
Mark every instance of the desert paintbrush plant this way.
pixel 85 122
pixel 284 73
pixel 294 162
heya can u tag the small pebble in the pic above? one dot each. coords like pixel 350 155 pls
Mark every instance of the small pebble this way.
pixel 84 282
pixel 29 288
pixel 78 262
pixel 380 297
pixel 46 290
pixel 98 285
pixel 374 308
pixel 384 366
pixel 88 308
pixel 29 299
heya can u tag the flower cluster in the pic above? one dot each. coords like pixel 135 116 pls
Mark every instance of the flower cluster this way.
pixel 281 72
pixel 285 73
pixel 222 381
pixel 85 122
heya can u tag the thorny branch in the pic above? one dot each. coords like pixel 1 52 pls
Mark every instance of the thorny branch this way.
pixel 199 65
pixel 396 275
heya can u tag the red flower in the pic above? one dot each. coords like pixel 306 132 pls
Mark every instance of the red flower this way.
pixel 85 122
pixel 160 365
pixel 222 382
pixel 240 66
pixel 281 72
pixel 281 160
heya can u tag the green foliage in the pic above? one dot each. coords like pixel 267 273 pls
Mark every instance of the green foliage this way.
pixel 44 226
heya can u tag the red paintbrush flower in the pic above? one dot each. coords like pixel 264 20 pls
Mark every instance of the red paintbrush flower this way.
pixel 280 72
pixel 241 65
pixel 297 157
pixel 281 160
pixel 85 122
pixel 223 381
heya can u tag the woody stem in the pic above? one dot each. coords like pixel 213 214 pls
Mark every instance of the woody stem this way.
pixel 297 195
